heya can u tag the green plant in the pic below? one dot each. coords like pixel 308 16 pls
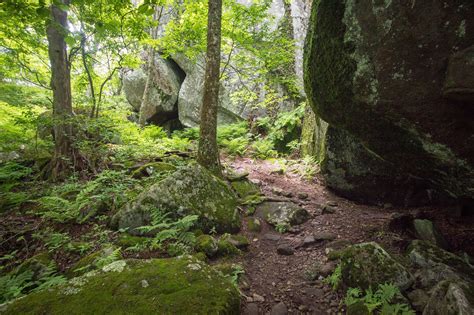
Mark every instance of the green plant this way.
pixel 263 149
pixel 15 285
pixel 381 301
pixel 334 280
pixel 52 240
pixel 104 261
pixel 282 227
pixel 175 234
pixel 236 146
pixel 237 271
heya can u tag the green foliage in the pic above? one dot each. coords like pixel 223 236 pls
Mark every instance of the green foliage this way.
pixel 334 280
pixel 12 171
pixel 380 301
pixel 263 149
pixel 282 227
pixel 15 285
pixel 104 261
pixel 52 240
pixel 174 235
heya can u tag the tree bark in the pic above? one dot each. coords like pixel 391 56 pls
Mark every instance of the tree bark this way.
pixel 64 153
pixel 208 154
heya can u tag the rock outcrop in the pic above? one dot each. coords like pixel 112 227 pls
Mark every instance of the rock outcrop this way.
pixel 166 79
pixel 397 93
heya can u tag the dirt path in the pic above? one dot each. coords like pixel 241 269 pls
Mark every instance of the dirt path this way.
pixel 272 279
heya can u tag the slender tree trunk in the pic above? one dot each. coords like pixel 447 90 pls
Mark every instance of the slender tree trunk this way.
pixel 208 154
pixel 64 153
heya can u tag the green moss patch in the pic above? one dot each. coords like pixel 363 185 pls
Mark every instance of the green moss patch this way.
pixel 161 286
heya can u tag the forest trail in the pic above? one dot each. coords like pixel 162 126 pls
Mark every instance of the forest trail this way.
pixel 272 279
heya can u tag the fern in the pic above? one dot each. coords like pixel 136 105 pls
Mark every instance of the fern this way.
pixel 107 260
pixel 335 278
pixel 380 301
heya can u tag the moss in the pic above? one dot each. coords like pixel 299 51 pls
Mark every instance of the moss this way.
pixel 366 265
pixel 254 225
pixel 163 286
pixel 226 248
pixel 358 308
pixel 206 244
pixel 154 167
pixel 126 240
pixel 244 188
pixel 238 241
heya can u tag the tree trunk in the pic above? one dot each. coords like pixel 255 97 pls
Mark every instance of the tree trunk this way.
pixel 208 155
pixel 64 155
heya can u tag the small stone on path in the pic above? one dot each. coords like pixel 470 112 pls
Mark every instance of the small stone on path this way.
pixel 279 309
pixel 285 250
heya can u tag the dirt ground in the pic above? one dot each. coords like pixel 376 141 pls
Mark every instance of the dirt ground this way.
pixel 271 278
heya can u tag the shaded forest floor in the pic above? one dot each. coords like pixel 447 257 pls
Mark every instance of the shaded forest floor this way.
pixel 272 279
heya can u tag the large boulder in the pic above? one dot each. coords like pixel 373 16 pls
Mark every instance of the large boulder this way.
pixel 376 71
pixel 163 286
pixel 191 92
pixel 166 79
pixel 451 298
pixel 435 264
pixel 366 265
pixel 191 190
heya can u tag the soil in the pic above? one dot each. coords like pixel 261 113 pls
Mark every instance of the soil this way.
pixel 271 278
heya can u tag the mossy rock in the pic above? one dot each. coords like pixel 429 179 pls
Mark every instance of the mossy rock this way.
pixel 451 297
pixel 226 248
pixel 428 231
pixel 182 285
pixel 151 168
pixel 279 213
pixel 239 241
pixel 435 264
pixel 191 190
pixel 206 244
pixel 245 188
pixel 92 261
pixel 367 265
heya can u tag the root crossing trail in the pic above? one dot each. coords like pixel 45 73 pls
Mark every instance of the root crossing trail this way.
pixel 289 283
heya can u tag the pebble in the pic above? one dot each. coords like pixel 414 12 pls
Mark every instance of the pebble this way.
pixel 258 298
pixel 302 196
pixel 285 250
pixel 271 237
pixel 144 283
pixel 279 309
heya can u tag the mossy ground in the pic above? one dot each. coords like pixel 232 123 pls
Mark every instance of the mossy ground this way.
pixel 162 286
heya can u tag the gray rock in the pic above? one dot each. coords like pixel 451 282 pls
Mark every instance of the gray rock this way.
pixel 435 264
pixel 251 309
pixel 328 209
pixel 309 240
pixel 282 213
pixel 389 101
pixel 285 250
pixel 459 83
pixel 279 309
pixel 418 299
pixel 451 298
pixel 166 80
pixel 302 195
pixel 191 190
pixel 368 264
pixel 427 231
pixel 191 92
pixel 271 237
pixel 324 236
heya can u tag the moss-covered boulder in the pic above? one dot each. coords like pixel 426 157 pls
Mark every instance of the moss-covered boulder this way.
pixel 451 298
pixel 366 265
pixel 206 244
pixel 191 190
pixel 426 230
pixel 182 285
pixel 284 213
pixel 435 264
pixel 226 248
pixel 364 76
pixel 239 241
